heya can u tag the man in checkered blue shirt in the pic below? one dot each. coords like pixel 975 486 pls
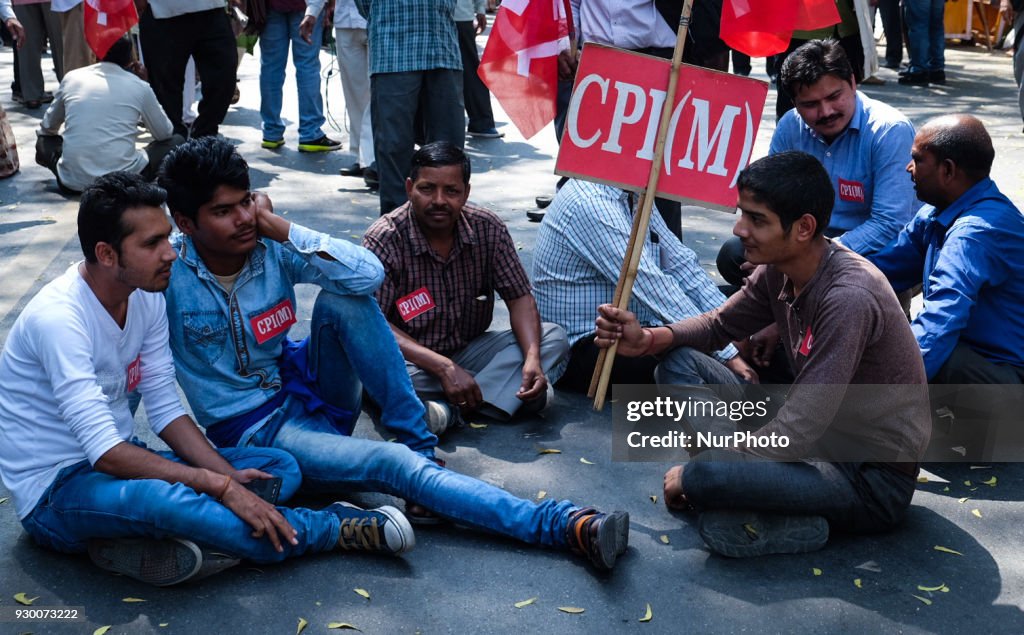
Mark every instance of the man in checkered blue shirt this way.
pixel 580 249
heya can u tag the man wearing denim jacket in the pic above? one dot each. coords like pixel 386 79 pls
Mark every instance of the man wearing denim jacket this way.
pixel 230 306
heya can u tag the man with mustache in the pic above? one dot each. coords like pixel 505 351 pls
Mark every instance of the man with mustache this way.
pixel 82 348
pixel 231 304
pixel 863 143
pixel 966 246
pixel 444 259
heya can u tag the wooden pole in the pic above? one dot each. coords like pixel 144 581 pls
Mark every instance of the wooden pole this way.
pixel 603 371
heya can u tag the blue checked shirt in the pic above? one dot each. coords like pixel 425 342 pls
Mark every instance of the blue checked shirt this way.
pixel 867 162
pixel 580 248
pixel 411 35
pixel 969 257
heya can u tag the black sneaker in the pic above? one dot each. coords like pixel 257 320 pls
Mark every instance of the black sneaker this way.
pixel 914 79
pixel 149 560
pixel 739 534
pixel 382 529
pixel 937 77
pixel 323 144
pixel 601 537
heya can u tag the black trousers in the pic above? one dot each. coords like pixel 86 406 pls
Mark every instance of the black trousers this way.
pixel 474 93
pixel 167 44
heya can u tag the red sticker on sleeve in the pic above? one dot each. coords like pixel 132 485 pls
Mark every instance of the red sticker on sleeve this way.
pixel 133 374
pixel 807 344
pixel 416 303
pixel 273 321
pixel 851 191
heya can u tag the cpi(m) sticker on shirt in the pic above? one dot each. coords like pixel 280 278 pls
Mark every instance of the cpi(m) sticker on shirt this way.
pixel 807 344
pixel 851 191
pixel 416 303
pixel 133 374
pixel 273 321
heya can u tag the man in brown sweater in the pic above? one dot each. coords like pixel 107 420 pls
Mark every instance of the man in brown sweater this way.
pixel 851 453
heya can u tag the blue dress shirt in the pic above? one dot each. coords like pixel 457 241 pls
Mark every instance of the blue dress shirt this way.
pixel 969 257
pixel 867 162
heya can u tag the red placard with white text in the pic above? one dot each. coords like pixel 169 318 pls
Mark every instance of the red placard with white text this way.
pixel 612 125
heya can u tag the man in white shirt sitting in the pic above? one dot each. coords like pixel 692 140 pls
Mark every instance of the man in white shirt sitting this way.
pixel 81 481
pixel 100 107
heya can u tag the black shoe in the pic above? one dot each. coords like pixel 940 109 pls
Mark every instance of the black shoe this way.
pixel 371 178
pixel 890 65
pixel 748 534
pixel 543 201
pixel 602 538
pixel 323 144
pixel 156 562
pixel 914 79
pixel 351 170
pixel 937 77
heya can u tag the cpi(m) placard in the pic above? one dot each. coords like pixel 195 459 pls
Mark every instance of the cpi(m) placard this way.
pixel 612 126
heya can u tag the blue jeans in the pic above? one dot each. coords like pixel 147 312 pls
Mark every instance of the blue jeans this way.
pixel 350 341
pixel 851 496
pixel 83 503
pixel 926 33
pixel 283 28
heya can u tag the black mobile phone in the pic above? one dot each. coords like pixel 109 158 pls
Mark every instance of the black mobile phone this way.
pixel 266 488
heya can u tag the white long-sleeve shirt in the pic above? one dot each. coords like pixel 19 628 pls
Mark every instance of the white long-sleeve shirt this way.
pixel 66 371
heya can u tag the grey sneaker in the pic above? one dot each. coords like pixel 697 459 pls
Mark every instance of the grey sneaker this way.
pixel 601 537
pixel 442 417
pixel 738 534
pixel 381 529
pixel 149 560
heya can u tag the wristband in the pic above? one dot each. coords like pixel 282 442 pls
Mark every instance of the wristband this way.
pixel 224 490
pixel 650 345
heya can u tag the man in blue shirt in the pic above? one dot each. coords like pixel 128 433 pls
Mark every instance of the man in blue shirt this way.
pixel 864 145
pixel 967 248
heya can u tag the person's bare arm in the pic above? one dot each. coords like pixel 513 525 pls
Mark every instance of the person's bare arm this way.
pixel 208 474
pixel 459 386
pixel 525 320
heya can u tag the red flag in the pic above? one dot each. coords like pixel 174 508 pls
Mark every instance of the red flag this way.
pixel 764 27
pixel 106 21
pixel 520 63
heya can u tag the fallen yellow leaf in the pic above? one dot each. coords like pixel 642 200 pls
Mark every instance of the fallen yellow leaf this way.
pixel 925 600
pixel 21 598
pixel 4 499
pixel 301 626
pixel 654 499
pixel 922 479
pixel 857 583
pixel 964 500
pixel 363 592
pixel 750 529
pixel 816 571
pixel 967 483
pixel 163 624
pixel 571 609
pixel 129 600
pixel 976 512
pixel 929 589
pixel 319 603
pixel 477 426
pixel 648 615
pixel 541 450
pixel 101 630
pixel 990 482
pixel 342 625
pixel 586 462
pixel 945 489
pixel 981 467
pixel 947 550
pixel 523 603
pixel 663 538
pixel 541 494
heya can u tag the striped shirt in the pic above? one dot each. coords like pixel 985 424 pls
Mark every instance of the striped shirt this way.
pixel 411 35
pixel 580 249
pixel 459 302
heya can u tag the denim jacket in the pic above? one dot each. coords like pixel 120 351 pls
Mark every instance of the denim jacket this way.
pixel 227 346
